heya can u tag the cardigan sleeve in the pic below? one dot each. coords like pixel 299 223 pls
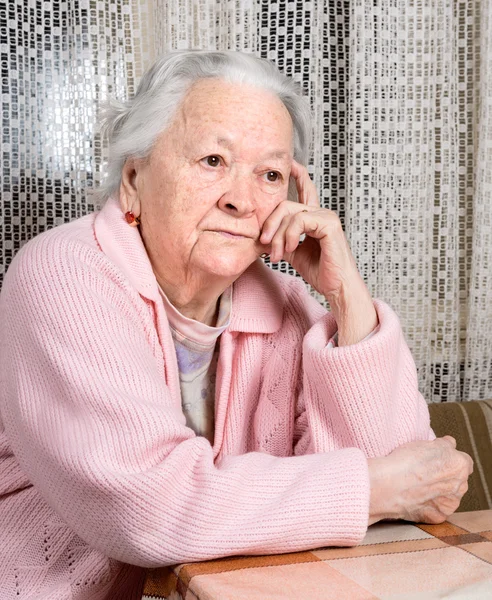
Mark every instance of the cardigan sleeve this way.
pixel 91 422
pixel 364 395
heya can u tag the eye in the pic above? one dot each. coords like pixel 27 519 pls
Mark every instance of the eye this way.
pixel 212 160
pixel 272 176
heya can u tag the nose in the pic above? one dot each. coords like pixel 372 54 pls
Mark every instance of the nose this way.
pixel 239 198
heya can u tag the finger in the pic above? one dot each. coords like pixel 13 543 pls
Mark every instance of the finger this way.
pixel 306 190
pixel 278 240
pixel 469 462
pixel 288 235
pixel 462 489
pixel 450 439
pixel 271 225
pixel 448 504
pixel 431 514
pixel 298 225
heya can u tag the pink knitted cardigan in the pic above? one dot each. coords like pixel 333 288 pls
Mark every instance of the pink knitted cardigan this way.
pixel 99 475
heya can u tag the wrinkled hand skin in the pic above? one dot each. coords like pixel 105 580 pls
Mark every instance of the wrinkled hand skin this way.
pixel 324 259
pixel 421 481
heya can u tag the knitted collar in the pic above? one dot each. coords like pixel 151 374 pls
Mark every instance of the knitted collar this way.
pixel 257 296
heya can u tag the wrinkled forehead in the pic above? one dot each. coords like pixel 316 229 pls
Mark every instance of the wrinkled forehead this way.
pixel 229 111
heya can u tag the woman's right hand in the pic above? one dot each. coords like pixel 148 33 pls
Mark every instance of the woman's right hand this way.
pixel 419 481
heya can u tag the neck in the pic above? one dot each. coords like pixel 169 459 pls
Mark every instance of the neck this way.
pixel 200 304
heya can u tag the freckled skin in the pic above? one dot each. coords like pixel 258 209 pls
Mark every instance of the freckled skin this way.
pixel 183 200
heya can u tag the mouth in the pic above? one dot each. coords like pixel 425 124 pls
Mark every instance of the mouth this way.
pixel 229 234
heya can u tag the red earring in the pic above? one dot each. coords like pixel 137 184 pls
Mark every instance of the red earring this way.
pixel 131 219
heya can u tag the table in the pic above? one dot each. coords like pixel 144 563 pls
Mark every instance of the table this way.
pixel 396 561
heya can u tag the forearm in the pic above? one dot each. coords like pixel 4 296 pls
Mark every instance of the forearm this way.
pixel 354 313
pixel 367 392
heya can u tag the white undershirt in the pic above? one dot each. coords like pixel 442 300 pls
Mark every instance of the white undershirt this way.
pixel 197 352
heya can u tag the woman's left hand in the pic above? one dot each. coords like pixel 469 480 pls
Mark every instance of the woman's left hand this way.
pixel 324 258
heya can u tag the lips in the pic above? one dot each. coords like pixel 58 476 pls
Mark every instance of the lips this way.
pixel 231 234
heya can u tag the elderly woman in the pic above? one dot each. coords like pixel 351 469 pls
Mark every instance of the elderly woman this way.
pixel 166 397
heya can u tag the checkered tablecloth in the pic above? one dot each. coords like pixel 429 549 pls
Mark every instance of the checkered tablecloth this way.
pixel 396 561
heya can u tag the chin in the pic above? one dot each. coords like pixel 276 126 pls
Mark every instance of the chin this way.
pixel 226 264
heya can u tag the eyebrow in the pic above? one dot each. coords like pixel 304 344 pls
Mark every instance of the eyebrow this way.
pixel 221 141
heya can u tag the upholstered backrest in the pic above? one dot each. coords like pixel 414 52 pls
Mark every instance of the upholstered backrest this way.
pixel 470 423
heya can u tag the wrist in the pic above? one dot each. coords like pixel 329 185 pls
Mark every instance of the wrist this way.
pixel 352 293
pixel 380 505
pixel 354 312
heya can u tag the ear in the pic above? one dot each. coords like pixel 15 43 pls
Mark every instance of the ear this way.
pixel 129 193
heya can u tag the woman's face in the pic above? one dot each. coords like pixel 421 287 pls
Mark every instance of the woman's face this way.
pixel 212 179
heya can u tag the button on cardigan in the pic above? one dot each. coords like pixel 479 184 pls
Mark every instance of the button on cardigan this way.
pixel 99 475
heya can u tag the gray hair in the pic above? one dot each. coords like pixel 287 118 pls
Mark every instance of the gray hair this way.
pixel 132 127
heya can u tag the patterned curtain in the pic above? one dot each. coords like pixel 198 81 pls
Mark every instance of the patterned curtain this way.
pixel 401 94
pixel 59 60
